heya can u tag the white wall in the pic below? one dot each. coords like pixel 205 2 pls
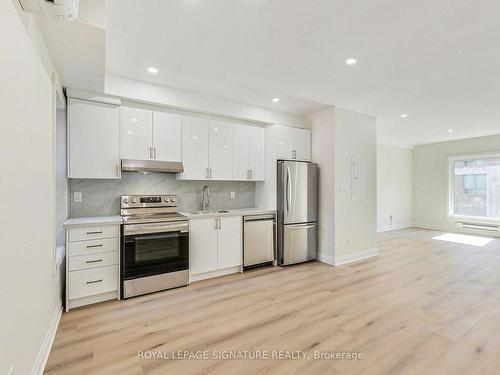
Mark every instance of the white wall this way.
pixel 29 291
pixel 322 137
pixel 394 187
pixel 340 136
pixel 185 100
pixel 430 178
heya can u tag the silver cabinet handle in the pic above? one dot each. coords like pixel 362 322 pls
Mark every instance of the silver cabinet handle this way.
pixel 91 246
pixel 94 281
pixel 154 153
pixel 150 153
pixel 95 232
pixel 248 174
pixel 220 226
pixel 251 174
pixel 216 224
pixel 94 261
pixel 209 172
pixel 301 226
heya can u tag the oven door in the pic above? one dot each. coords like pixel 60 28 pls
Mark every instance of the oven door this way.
pixel 154 249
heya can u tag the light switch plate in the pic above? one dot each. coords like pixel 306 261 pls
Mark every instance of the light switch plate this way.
pixel 233 195
pixel 77 196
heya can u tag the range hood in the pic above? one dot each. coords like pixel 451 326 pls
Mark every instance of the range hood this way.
pixel 131 165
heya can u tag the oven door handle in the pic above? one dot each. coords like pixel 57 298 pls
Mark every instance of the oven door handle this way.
pixel 131 229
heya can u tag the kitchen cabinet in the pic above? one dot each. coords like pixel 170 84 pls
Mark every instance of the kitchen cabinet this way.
pixel 93 139
pixel 137 133
pixel 220 156
pixel 291 143
pixel 248 155
pixel 150 135
pixel 301 144
pixel 203 245
pixel 229 242
pixel 195 148
pixel 216 245
pixel 92 263
pixel 167 141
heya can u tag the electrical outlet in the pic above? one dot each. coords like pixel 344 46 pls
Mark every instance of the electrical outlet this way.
pixel 233 195
pixel 77 196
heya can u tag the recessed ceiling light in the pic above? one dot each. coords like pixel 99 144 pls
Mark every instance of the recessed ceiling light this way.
pixel 351 61
pixel 450 130
pixel 153 70
pixel 130 132
pixel 404 115
pixel 216 129
pixel 276 100
pixel 133 119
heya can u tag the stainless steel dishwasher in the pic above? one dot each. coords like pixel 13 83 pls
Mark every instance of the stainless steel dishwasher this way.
pixel 259 240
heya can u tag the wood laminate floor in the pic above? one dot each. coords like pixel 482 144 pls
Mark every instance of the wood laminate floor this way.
pixel 421 307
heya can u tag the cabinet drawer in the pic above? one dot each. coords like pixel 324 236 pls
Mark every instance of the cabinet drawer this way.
pixel 93 232
pixel 92 247
pixel 93 281
pixel 93 260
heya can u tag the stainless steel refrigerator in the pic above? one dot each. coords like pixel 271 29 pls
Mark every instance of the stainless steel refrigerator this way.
pixel 297 211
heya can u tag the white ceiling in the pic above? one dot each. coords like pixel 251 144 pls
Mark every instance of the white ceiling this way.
pixel 438 61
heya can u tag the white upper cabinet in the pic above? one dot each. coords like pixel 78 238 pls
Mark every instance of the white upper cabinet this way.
pixel 248 155
pixel 167 136
pixel 220 159
pixel 301 142
pixel 291 143
pixel 195 148
pixel 93 139
pixel 137 133
pixel 256 153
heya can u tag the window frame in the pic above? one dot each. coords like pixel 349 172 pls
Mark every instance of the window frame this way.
pixel 451 191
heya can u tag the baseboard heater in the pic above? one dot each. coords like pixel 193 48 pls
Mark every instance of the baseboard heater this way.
pixel 481 227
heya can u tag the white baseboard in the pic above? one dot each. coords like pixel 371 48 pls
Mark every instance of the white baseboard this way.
pixel 212 274
pixel 43 354
pixel 394 227
pixel 355 257
pixel 328 259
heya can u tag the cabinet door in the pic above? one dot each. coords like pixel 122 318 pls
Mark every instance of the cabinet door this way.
pixel 283 138
pixel 220 150
pixel 93 140
pixel 302 144
pixel 230 242
pixel 203 245
pixel 241 147
pixel 195 148
pixel 137 133
pixel 256 153
pixel 167 136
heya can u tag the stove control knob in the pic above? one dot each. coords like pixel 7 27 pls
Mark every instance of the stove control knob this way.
pixel 133 201
pixel 172 199
pixel 166 200
pixel 125 200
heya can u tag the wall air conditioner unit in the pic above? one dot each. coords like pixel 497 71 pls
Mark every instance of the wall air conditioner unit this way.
pixel 479 227
pixel 58 10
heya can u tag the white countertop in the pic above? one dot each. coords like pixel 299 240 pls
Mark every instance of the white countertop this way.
pixel 96 220
pixel 231 212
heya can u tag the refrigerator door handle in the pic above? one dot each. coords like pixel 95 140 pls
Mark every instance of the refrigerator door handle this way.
pixel 288 191
pixel 301 226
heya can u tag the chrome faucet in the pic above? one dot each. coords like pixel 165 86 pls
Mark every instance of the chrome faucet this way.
pixel 205 198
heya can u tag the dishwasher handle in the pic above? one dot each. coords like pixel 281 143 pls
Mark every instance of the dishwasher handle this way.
pixel 259 217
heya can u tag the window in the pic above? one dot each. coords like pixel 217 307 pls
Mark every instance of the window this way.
pixel 475 187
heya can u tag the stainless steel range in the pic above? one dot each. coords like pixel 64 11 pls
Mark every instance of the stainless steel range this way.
pixel 155 244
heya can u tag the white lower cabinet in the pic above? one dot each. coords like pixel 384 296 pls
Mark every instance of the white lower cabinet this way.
pixel 216 246
pixel 92 264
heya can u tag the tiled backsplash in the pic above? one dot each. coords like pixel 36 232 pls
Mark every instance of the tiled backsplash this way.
pixel 102 197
